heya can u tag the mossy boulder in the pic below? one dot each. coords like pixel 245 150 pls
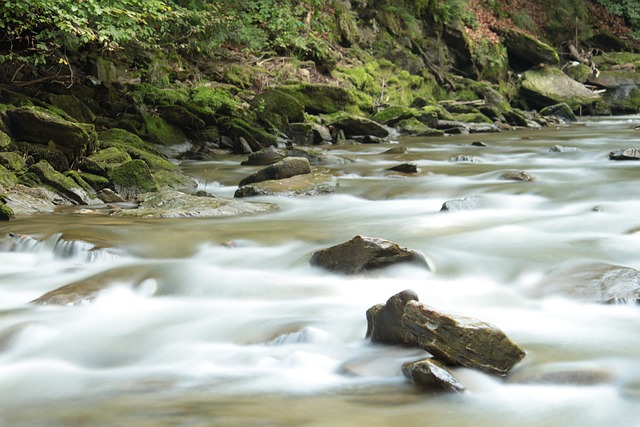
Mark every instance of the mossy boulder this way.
pixel 308 134
pixel 34 153
pixel 159 131
pixel 415 127
pixel 74 107
pixel 13 161
pixel 285 168
pixel 310 184
pixel 7 178
pixel 578 72
pixel 5 140
pixel 277 109
pixel 5 212
pixel 256 137
pixel 526 51
pixel 111 156
pixel 181 117
pixel 132 178
pixel 357 126
pixel 327 99
pixel 63 185
pixel 472 117
pixel 40 126
pixel 546 86
pixel 561 111
pixel 97 182
pixel 613 79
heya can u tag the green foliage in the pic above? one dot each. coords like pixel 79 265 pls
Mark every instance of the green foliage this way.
pixel 568 20
pixel 628 9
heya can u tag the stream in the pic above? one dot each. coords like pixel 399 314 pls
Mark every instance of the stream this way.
pixel 223 322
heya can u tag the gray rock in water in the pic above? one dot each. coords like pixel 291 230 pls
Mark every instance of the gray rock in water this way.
pixel 603 283
pixel 362 254
pixel 561 149
pixel 359 126
pixel 561 111
pixel 458 340
pixel 384 321
pixel 316 156
pixel 428 374
pixel 311 184
pixel 467 159
pixel 468 203
pixel 264 157
pixel 625 154
pixel 285 168
pixel 518 176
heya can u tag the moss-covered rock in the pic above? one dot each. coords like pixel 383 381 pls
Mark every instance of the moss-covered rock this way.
pixel 7 178
pixel 357 126
pixel 546 86
pixel 181 117
pixel 159 131
pixel 97 182
pixel 61 184
pixel 526 51
pixel 42 127
pixel 13 161
pixel 255 136
pixel 34 153
pixel 5 140
pixel 5 212
pixel 74 107
pixel 415 127
pixel 132 178
pixel 277 109
pixel 392 115
pixel 472 118
pixel 578 72
pixel 308 134
pixel 327 99
pixel 80 181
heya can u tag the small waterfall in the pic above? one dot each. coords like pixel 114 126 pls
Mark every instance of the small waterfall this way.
pixel 58 246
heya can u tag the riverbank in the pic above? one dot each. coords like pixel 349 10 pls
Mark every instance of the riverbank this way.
pixel 115 127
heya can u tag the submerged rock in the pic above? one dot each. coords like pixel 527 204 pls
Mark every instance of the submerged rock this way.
pixel 310 184
pixel 602 283
pixel 408 168
pixel 362 254
pixel 174 204
pixel 285 168
pixel 428 374
pixel 518 176
pixel 468 203
pixel 457 340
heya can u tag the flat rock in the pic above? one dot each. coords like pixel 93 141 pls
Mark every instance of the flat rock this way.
pixel 362 254
pixel 359 126
pixel 548 86
pixel 311 184
pixel 430 375
pixel 174 204
pixel 457 340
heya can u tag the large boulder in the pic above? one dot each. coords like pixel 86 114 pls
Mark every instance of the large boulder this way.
pixel 384 321
pixel 526 51
pixel 285 168
pixel 277 109
pixel 132 178
pixel 39 126
pixel 545 86
pixel 431 375
pixel 362 254
pixel 310 184
pixel 328 99
pixel 561 111
pixel 308 134
pixel 74 107
pixel 358 126
pixel 174 204
pixel 457 340
pixel 600 283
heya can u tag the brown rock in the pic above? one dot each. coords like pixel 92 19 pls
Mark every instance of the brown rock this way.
pixel 428 374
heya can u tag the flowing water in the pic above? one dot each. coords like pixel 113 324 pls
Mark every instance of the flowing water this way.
pixel 222 322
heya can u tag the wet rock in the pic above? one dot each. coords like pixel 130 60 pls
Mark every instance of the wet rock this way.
pixel 408 168
pixel 264 157
pixel 29 201
pixel 468 203
pixel 107 195
pixel 478 144
pixel 457 127
pixel 561 149
pixel 415 127
pixel 518 176
pixel 362 254
pixel 285 168
pixel 602 283
pixel 561 111
pixel 384 321
pixel 74 107
pixel 430 375
pixel 359 126
pixel 625 154
pixel 397 150
pixel 175 204
pixel 316 156
pixel 311 184
pixel 457 340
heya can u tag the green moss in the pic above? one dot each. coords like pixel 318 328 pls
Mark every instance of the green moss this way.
pixel 617 58
pixel 161 132
pixel 5 140
pixel 149 94
pixel 7 178
pixel 439 111
pixel 239 75
pixel 217 99
pixel 579 73
pixel 78 180
pixel 13 161
pixel 38 152
pixel 393 114
pixel 5 212
pixel 132 178
pixel 326 99
pixel 472 118
pixel 277 109
pixel 110 156
pixel 96 182
pixel 173 179
pixel 255 135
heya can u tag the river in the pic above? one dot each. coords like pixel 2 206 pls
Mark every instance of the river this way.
pixel 223 322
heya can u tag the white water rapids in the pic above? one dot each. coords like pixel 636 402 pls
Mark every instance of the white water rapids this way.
pixel 222 322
